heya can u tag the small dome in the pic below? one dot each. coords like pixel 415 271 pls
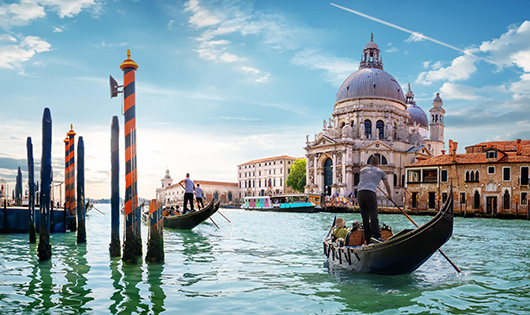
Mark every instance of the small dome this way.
pixel 167 175
pixel 417 115
pixel 437 102
pixel 371 44
pixel 370 82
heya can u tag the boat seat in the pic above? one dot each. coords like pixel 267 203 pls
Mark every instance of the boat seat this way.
pixel 355 238
pixel 386 234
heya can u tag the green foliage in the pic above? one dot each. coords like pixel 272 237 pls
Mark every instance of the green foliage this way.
pixel 296 179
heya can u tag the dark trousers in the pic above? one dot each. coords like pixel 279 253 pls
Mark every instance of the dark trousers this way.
pixel 199 202
pixel 188 197
pixel 368 204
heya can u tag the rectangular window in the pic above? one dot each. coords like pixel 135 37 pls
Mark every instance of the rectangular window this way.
pixel 280 182
pixel 274 172
pixel 506 174
pixel 274 182
pixel 524 175
pixel 491 154
pixel 524 198
pixel 259 183
pixel 444 176
pixel 280 171
pixel 430 176
pixel 462 197
pixel 491 169
pixel 413 176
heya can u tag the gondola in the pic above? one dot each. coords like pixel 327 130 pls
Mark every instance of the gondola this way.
pixel 401 253
pixel 191 219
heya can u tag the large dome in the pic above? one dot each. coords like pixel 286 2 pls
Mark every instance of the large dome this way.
pixel 370 82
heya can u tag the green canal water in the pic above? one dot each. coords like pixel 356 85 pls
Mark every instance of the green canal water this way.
pixel 265 263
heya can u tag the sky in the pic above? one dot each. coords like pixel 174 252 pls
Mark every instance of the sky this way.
pixel 221 83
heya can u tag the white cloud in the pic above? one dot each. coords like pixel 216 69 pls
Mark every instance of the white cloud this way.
pixel 505 50
pixel 392 49
pixel 14 56
pixel 452 91
pixel 261 76
pixel 415 37
pixel 336 69
pixel 461 68
pixel 7 38
pixel 70 8
pixel 227 57
pixel 201 17
pixel 20 14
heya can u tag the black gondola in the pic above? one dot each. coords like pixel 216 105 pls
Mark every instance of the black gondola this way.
pixel 402 253
pixel 191 219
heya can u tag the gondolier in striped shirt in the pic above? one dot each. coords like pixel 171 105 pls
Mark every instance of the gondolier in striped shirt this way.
pixel 370 177
pixel 188 192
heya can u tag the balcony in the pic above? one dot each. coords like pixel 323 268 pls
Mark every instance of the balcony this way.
pixel 524 182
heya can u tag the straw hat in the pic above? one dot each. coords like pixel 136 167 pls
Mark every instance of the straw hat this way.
pixel 340 223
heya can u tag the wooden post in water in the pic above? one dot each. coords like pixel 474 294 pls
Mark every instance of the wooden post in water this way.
pixel 71 177
pixel 155 245
pixel 81 226
pixel 114 247
pixel 66 204
pixel 46 177
pixel 18 192
pixel 31 198
pixel 133 238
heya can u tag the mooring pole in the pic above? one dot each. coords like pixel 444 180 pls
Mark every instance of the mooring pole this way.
pixel 66 205
pixel 31 198
pixel 71 167
pixel 46 178
pixel 155 245
pixel 114 247
pixel 81 226
pixel 18 193
pixel 133 238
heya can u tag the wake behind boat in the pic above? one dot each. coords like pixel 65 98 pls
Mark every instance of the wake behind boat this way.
pixel 191 219
pixel 401 253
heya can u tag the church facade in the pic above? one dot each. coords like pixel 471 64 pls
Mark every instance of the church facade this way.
pixel 372 116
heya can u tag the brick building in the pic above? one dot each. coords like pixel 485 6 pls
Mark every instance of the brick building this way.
pixel 490 178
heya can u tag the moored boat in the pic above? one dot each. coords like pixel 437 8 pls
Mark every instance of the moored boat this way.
pixel 282 203
pixel 401 253
pixel 191 219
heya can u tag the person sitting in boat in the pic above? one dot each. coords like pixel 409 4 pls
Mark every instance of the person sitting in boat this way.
pixel 340 230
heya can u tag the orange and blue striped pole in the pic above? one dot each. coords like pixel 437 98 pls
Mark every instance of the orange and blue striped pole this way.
pixel 133 238
pixel 66 183
pixel 71 177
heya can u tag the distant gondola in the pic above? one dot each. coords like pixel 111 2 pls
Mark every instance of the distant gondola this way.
pixel 402 253
pixel 191 219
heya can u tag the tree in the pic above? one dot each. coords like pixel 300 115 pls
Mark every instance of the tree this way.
pixel 296 179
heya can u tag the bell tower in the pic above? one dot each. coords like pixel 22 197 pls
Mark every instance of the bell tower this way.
pixel 436 126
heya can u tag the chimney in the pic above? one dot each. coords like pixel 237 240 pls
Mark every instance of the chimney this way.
pixel 443 152
pixel 518 146
pixel 455 146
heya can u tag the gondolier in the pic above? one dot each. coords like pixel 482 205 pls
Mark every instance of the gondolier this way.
pixel 188 192
pixel 198 196
pixel 370 177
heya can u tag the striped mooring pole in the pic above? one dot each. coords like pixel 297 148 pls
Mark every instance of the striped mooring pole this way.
pixel 66 185
pixel 31 197
pixel 81 211
pixel 71 178
pixel 132 247
pixel 155 245
pixel 114 247
pixel 46 177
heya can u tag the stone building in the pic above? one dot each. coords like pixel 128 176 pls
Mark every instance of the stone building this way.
pixel 371 117
pixel 490 178
pixel 171 193
pixel 264 176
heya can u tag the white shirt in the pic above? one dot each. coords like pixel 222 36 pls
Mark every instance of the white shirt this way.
pixel 198 192
pixel 188 186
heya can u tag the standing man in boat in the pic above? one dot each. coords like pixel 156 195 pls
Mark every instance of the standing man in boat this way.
pixel 198 196
pixel 188 192
pixel 370 177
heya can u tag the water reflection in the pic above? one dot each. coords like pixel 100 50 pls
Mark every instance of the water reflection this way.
pixel 75 294
pixel 116 275
pixel 154 278
pixel 132 300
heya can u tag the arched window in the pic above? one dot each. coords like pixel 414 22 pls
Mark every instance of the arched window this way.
pixel 476 200
pixel 380 125
pixel 229 196
pixel 382 159
pixel 328 176
pixel 506 200
pixel 472 176
pixel 216 195
pixel 467 176
pixel 395 180
pixel 368 128
pixel 476 176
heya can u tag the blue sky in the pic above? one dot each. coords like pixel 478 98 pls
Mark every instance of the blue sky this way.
pixel 223 82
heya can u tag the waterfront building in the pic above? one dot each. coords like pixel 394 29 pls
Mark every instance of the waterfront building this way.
pixel 490 178
pixel 372 117
pixel 170 193
pixel 264 177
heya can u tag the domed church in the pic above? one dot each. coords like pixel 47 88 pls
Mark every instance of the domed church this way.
pixel 372 116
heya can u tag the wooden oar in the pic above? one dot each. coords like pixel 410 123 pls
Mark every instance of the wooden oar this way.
pixel 410 219
pixel 331 228
pixel 223 216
